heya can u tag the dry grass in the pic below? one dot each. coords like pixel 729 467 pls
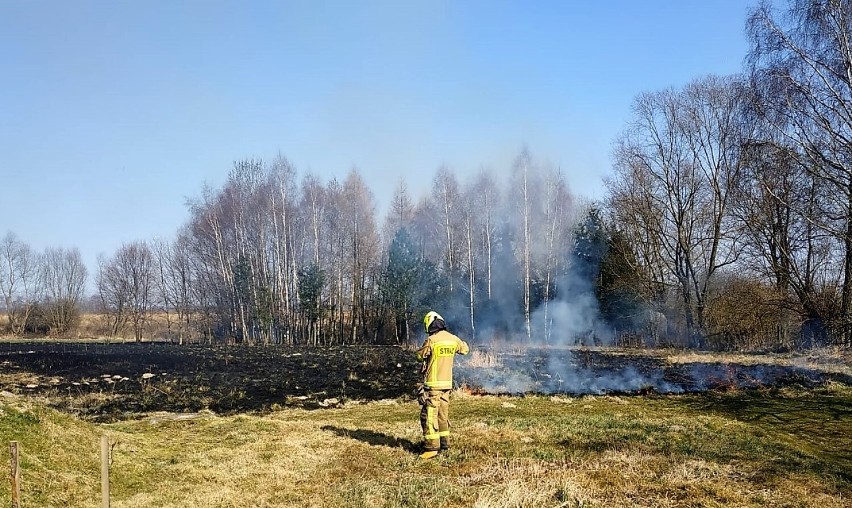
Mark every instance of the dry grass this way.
pixel 831 359
pixel 93 326
pixel 787 448
pixel 484 359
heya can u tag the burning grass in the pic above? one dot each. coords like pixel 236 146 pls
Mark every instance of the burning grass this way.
pixel 785 447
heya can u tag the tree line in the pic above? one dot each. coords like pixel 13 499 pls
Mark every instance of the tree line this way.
pixel 42 292
pixel 271 258
pixel 726 225
pixel 737 190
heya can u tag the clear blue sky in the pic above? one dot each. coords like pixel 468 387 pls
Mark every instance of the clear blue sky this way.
pixel 113 113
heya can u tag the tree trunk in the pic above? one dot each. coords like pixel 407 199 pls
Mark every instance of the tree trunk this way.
pixel 846 298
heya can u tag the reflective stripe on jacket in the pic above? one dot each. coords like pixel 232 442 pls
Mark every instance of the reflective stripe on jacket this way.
pixel 438 351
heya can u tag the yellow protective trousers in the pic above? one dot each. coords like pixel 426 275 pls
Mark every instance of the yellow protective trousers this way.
pixel 434 419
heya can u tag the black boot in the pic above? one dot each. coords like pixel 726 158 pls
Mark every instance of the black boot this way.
pixel 445 443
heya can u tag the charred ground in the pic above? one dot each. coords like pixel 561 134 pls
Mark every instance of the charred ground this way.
pixel 112 381
pixel 105 382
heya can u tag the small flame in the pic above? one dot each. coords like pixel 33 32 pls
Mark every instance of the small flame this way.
pixel 466 390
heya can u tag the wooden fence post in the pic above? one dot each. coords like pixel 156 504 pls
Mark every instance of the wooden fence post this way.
pixel 16 474
pixel 104 471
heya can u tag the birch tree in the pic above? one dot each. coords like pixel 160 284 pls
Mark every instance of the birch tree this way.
pixel 361 248
pixel 469 216
pixel 314 206
pixel 557 221
pixel 446 197
pixel 487 200
pixel 523 185
pixel 801 63
pixel 337 255
pixel 276 294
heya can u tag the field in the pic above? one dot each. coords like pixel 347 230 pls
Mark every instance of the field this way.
pixel 263 427
pixel 105 382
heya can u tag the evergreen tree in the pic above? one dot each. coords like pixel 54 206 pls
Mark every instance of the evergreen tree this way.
pixel 311 284
pixel 409 285
pixel 618 290
pixel 591 245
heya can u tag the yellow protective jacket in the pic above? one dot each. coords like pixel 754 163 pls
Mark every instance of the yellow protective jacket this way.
pixel 438 352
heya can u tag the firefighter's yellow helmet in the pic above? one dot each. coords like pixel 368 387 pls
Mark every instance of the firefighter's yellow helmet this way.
pixel 430 317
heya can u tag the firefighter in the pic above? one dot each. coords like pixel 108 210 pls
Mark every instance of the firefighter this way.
pixel 437 354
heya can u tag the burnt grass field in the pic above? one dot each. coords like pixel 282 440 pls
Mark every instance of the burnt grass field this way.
pixel 107 382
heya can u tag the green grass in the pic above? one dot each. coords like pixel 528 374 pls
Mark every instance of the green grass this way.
pixel 766 448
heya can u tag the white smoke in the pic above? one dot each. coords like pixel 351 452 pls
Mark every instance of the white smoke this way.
pixel 570 321
pixel 550 369
pixel 553 369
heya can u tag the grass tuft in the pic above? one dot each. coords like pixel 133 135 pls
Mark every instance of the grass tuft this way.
pixel 484 360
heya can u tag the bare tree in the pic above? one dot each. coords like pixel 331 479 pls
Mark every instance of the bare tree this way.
pixel 137 261
pixel 632 203
pixel 316 254
pixel 487 201
pixel 446 196
pixel 314 206
pixel 113 294
pixel 211 263
pixel 469 214
pixel 525 192
pixel 64 280
pixel 676 167
pixel 557 221
pixel 777 204
pixel 161 299
pixel 126 284
pixel 19 281
pixel 213 251
pixel 268 207
pixel 175 279
pixel 231 230
pixel 801 63
pixel 337 255
pixel 426 230
pixel 361 248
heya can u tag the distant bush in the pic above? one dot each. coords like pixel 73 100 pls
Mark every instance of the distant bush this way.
pixel 745 314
